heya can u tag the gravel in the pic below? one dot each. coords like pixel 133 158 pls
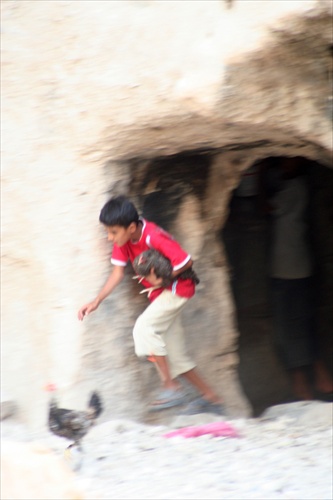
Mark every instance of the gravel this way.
pixel 284 454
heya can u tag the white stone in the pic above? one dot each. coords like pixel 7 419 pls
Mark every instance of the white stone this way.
pixel 22 467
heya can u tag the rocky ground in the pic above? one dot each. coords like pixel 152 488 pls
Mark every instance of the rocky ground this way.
pixel 284 454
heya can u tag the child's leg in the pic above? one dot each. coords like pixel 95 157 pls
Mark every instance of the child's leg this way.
pixel 181 364
pixel 149 329
pixel 179 361
pixel 163 370
pixel 199 383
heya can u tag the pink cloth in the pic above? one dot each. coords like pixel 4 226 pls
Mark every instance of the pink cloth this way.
pixel 217 429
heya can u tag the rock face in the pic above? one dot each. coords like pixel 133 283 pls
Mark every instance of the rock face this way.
pixel 7 407
pixel 101 98
pixel 24 464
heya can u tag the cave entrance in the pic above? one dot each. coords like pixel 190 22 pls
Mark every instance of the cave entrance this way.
pixel 246 236
pixel 166 189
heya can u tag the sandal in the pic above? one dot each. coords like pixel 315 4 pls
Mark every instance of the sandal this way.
pixel 201 405
pixel 168 398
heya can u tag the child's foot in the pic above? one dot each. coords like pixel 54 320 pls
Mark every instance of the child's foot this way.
pixel 201 405
pixel 168 398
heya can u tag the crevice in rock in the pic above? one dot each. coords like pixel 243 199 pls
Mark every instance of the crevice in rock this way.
pixel 246 237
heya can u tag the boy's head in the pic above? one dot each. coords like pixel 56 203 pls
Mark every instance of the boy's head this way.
pixel 120 218
pixel 119 211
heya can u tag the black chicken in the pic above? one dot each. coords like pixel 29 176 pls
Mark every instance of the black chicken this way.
pixel 73 424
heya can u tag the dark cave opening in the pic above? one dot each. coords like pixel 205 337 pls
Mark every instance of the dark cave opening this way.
pixel 170 179
pixel 246 237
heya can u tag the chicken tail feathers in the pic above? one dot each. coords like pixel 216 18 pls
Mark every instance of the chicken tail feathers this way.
pixel 95 405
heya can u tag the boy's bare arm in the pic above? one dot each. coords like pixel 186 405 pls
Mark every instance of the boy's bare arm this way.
pixel 113 280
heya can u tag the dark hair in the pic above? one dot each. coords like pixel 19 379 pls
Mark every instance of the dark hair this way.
pixel 118 211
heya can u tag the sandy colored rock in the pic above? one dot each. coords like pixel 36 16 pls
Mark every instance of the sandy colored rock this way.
pixel 94 94
pixel 306 413
pixel 31 471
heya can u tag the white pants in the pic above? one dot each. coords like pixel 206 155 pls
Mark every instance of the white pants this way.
pixel 158 331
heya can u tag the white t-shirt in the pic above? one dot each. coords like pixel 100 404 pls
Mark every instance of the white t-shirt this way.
pixel 290 253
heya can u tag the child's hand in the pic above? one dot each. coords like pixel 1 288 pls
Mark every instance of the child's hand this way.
pixel 87 309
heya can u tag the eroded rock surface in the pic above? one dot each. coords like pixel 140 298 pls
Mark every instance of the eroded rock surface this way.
pixel 95 94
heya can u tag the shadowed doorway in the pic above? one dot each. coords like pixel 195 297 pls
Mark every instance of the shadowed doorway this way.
pixel 246 237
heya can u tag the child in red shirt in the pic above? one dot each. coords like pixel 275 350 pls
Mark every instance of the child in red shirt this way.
pixel 158 333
